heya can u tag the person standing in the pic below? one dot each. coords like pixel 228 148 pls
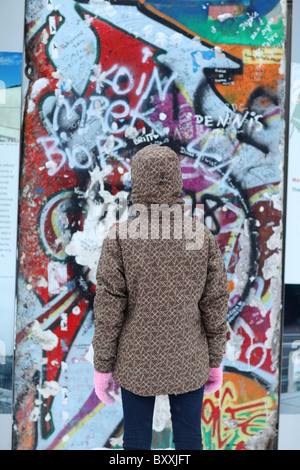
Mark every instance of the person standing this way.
pixel 160 307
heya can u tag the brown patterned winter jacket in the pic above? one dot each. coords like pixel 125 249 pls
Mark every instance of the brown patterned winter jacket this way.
pixel 160 307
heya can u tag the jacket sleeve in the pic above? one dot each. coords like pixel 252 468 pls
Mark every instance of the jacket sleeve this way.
pixel 214 303
pixel 110 304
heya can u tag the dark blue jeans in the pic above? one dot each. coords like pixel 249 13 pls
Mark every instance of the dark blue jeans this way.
pixel 186 410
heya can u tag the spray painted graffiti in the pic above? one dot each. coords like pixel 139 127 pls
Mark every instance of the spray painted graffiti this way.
pixel 104 79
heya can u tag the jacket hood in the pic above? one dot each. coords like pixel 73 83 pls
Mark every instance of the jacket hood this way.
pixel 156 176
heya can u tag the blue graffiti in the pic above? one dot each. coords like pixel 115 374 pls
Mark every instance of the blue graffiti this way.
pixel 200 8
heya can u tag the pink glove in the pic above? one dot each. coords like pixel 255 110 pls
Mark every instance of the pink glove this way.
pixel 215 380
pixel 104 384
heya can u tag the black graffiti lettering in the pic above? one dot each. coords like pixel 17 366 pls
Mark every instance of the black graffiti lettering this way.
pixel 210 211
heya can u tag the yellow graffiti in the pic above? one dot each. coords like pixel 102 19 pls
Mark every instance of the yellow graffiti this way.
pixel 236 414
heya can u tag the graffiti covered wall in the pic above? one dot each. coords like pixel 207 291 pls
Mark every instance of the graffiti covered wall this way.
pixel 103 80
